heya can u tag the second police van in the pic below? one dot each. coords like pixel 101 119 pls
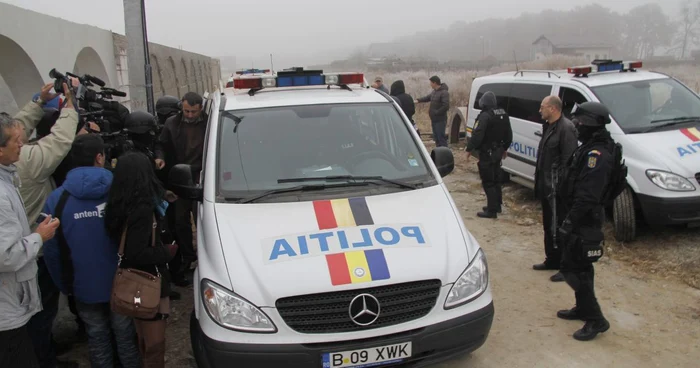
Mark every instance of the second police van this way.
pixel 326 236
pixel 654 116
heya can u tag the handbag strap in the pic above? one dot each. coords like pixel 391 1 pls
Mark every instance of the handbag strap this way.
pixel 122 242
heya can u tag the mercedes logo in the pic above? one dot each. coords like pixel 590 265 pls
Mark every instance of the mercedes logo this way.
pixel 364 309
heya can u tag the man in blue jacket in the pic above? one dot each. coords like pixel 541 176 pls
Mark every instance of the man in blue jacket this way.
pixel 82 259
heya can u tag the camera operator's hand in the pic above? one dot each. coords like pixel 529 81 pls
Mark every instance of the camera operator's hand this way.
pixel 160 164
pixel 75 82
pixel 68 94
pixel 92 125
pixel 45 95
pixel 47 228
pixel 170 196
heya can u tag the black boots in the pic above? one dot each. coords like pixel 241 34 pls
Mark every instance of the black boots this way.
pixel 591 329
pixel 487 214
pixel 569 314
pixel 486 209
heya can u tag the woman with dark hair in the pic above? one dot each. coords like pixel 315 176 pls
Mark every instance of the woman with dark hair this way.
pixel 135 205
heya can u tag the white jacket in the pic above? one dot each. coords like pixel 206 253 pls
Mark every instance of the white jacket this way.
pixel 19 289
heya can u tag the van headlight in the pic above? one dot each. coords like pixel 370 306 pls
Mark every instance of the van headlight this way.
pixel 233 312
pixel 670 181
pixel 471 284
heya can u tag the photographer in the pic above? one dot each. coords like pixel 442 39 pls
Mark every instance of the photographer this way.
pixel 36 165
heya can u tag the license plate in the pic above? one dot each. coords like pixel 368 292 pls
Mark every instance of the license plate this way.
pixel 370 357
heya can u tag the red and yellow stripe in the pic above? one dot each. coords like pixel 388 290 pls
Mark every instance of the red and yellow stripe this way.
pixel 355 266
pixel 692 133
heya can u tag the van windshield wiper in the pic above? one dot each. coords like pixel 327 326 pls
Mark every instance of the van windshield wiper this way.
pixel 670 122
pixel 351 179
pixel 299 188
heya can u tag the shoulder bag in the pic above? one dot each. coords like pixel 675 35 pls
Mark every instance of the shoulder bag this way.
pixel 135 293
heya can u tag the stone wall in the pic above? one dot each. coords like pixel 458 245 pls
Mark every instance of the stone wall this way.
pixel 175 71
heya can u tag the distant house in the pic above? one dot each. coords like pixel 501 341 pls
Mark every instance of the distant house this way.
pixel 548 45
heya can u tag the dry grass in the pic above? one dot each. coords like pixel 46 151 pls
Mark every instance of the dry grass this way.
pixel 460 82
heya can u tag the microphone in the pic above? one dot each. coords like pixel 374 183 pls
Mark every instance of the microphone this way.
pixel 95 80
pixel 114 92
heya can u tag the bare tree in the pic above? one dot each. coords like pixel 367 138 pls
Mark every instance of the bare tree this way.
pixel 647 29
pixel 689 28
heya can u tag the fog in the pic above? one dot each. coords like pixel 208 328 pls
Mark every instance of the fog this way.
pixel 300 32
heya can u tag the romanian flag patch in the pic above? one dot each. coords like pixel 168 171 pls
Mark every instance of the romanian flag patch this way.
pixel 692 133
pixel 355 266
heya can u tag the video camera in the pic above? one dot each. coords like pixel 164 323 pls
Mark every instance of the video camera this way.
pixel 111 116
pixel 92 105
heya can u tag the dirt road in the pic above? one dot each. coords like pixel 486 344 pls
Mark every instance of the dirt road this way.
pixel 654 322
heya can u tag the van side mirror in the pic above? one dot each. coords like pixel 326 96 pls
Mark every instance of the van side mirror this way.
pixel 180 182
pixel 443 159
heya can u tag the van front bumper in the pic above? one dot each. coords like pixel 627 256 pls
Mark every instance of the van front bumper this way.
pixel 670 211
pixel 430 344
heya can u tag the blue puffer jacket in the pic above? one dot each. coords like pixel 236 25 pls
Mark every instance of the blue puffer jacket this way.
pixel 93 253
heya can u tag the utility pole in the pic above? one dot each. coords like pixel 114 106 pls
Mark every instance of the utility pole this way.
pixel 140 76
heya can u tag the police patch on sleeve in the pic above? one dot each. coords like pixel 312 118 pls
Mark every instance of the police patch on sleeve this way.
pixel 476 124
pixel 592 161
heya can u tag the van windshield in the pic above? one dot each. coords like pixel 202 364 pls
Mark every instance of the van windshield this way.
pixel 644 106
pixel 260 150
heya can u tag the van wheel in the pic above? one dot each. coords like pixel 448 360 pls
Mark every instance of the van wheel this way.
pixel 200 355
pixel 624 216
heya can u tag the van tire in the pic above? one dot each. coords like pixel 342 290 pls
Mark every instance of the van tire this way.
pixel 198 352
pixel 624 216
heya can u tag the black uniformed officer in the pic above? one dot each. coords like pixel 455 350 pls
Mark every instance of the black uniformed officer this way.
pixel 587 177
pixel 491 138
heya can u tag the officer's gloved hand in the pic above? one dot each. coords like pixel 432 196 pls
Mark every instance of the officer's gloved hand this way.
pixel 565 229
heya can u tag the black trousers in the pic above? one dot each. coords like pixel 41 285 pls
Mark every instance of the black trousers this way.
pixel 16 349
pixel 40 326
pixel 552 254
pixel 490 173
pixel 180 226
pixel 579 275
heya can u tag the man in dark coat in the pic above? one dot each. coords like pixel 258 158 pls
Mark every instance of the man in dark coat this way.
pixel 557 145
pixel 439 106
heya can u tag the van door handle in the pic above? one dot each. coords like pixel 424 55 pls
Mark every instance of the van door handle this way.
pixel 539 134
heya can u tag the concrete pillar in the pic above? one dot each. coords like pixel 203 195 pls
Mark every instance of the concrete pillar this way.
pixel 140 80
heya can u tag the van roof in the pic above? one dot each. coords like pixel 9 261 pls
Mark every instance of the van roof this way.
pixel 561 76
pixel 292 96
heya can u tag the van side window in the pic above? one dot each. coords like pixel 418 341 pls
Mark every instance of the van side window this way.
pixel 525 100
pixel 501 90
pixel 570 97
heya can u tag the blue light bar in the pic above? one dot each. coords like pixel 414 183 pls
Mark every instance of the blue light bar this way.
pixel 300 80
pixel 609 67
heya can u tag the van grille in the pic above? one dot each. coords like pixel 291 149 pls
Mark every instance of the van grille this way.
pixel 328 312
pixel 697 177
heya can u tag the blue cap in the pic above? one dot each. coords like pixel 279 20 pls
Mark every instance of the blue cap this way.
pixel 54 103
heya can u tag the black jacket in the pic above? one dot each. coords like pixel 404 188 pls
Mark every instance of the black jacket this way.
pixel 138 252
pixel 492 128
pixel 439 103
pixel 586 178
pixel 398 90
pixel 557 145
pixel 173 145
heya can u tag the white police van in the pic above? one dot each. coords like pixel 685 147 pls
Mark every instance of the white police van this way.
pixel 654 116
pixel 326 236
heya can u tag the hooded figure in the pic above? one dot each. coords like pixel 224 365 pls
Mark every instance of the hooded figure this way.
pixel 490 140
pixel 488 101
pixel 398 90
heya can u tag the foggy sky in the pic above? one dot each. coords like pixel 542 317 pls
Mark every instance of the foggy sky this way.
pixel 297 31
